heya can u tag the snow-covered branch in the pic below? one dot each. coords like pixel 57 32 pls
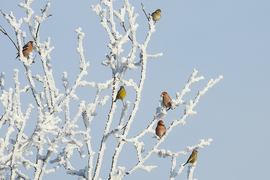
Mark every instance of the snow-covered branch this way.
pixel 56 134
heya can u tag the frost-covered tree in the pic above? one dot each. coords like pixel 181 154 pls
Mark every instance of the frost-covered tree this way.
pixel 56 135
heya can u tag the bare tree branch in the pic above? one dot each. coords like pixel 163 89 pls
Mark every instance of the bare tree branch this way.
pixel 144 11
pixel 5 33
pixel 123 25
pixel 39 25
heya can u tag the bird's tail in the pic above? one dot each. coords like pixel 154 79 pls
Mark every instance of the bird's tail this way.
pixel 185 164
pixel 17 55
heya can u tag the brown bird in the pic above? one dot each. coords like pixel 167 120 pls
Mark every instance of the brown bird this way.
pixel 192 158
pixel 160 129
pixel 166 100
pixel 27 49
pixel 156 15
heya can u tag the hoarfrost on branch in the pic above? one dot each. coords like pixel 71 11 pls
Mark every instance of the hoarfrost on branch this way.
pixel 62 136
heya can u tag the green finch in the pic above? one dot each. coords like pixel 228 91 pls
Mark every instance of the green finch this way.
pixel 156 15
pixel 121 94
pixel 192 158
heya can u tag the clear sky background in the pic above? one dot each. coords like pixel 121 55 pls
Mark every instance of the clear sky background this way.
pixel 229 38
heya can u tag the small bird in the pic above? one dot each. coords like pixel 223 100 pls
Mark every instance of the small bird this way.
pixel 27 49
pixel 166 100
pixel 121 94
pixel 160 129
pixel 156 15
pixel 192 158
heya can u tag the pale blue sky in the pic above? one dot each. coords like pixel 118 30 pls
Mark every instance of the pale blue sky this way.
pixel 228 38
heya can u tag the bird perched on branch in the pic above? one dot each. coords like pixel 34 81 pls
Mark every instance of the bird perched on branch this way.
pixel 121 94
pixel 166 100
pixel 160 129
pixel 192 158
pixel 27 49
pixel 156 15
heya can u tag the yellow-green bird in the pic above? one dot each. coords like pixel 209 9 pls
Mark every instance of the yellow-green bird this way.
pixel 121 94
pixel 156 15
pixel 192 158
